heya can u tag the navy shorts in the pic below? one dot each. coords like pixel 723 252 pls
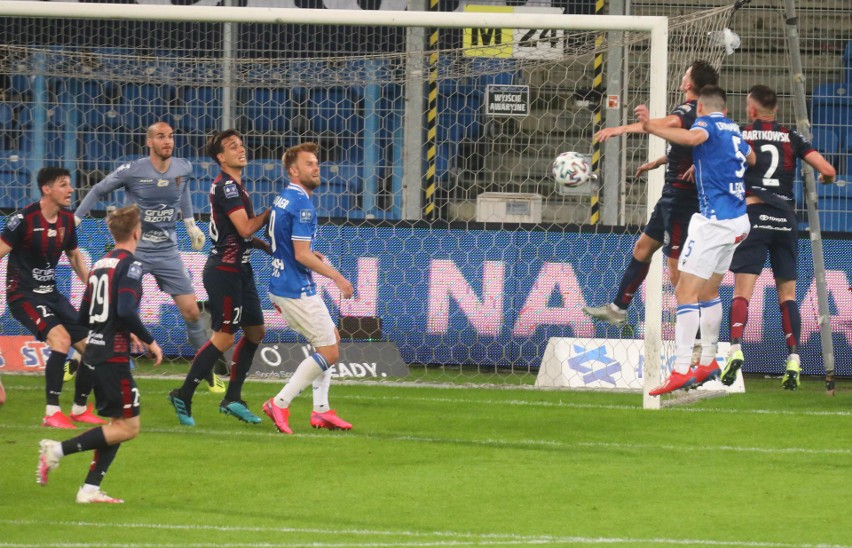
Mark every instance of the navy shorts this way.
pixel 116 394
pixel 669 222
pixel 41 313
pixel 775 232
pixel 232 297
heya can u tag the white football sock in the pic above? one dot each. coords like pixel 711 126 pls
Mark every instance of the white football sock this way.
pixel 321 386
pixel 305 374
pixel 685 329
pixel 710 321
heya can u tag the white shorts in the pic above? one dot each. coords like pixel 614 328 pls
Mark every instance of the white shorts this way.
pixel 309 317
pixel 710 246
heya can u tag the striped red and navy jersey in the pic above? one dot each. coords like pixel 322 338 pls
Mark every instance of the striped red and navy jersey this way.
pixel 36 246
pixel 777 148
pixel 679 157
pixel 110 308
pixel 226 197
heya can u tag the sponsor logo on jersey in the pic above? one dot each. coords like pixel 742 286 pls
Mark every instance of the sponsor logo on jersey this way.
pixel 305 215
pixel 155 236
pixel 44 274
pixel 774 219
pixel 159 213
pixel 96 339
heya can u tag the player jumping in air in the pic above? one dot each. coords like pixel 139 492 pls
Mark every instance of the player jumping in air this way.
pixel 721 156
pixel 159 185
pixel 668 226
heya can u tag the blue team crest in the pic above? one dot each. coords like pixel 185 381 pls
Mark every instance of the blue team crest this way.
pixel 231 191
pixel 14 221
pixel 135 270
pixel 306 215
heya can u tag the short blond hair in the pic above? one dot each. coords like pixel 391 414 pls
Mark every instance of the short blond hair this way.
pixel 122 222
pixel 291 155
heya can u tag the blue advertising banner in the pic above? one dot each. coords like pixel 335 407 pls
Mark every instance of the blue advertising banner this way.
pixel 489 297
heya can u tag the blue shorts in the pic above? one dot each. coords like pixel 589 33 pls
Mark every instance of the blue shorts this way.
pixel 168 270
pixel 775 232
pixel 669 222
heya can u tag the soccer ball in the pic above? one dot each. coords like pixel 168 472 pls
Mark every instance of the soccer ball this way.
pixel 570 169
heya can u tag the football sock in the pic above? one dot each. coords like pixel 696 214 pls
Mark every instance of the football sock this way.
pixel 739 318
pixel 78 409
pixel 685 329
pixel 51 409
pixel 201 367
pixel 242 358
pixel 710 319
pixel 630 281
pixel 310 368
pixel 321 386
pixel 791 322
pixel 87 441
pixel 196 334
pixel 84 381
pixel 54 371
pixel 100 464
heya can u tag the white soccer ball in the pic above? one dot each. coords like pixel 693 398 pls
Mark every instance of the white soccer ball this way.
pixel 570 169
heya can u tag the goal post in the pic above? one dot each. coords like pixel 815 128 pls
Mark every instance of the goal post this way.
pixel 509 264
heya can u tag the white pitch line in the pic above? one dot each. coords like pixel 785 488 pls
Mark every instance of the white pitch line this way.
pixel 488 442
pixel 456 538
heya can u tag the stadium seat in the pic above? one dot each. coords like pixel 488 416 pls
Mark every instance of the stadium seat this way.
pixel 101 151
pixel 149 103
pixel 202 109
pixel 101 106
pixel 493 70
pixel 831 105
pixel 333 110
pixel 835 214
pixel 266 109
pixel 15 187
pixel 332 199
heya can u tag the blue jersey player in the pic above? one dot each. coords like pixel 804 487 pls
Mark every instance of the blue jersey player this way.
pixel 721 156
pixel 292 230
pixel 159 185
pixel 667 228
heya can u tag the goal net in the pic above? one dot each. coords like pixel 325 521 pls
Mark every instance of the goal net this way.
pixel 436 144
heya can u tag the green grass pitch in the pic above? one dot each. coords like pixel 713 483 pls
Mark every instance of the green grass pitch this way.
pixel 449 466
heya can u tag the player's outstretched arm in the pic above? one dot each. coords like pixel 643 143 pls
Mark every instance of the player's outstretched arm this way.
pixel 114 180
pixel 826 171
pixel 677 135
pixel 653 164
pixel 641 113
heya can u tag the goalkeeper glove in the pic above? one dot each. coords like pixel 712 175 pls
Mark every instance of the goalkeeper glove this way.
pixel 196 236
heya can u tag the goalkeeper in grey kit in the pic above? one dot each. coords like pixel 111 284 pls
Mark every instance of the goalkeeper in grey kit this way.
pixel 159 185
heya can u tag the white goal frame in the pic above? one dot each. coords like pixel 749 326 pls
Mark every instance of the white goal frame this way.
pixel 656 27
